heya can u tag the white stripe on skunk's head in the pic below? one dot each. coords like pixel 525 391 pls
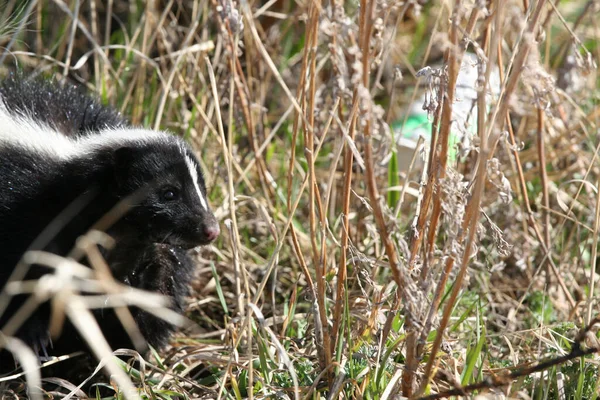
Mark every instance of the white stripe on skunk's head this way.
pixel 194 174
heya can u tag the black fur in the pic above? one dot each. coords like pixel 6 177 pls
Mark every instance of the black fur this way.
pixel 40 190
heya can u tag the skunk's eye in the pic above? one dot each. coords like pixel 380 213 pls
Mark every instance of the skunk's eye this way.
pixel 169 194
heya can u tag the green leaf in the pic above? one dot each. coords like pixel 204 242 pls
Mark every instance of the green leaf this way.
pixel 473 354
pixel 393 194
pixel 219 289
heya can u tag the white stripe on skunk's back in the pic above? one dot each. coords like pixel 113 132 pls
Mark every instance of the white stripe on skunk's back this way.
pixel 115 138
pixel 24 132
pixel 20 130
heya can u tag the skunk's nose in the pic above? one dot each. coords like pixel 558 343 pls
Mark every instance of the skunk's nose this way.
pixel 211 232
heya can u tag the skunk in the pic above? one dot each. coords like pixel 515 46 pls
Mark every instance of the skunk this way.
pixel 66 163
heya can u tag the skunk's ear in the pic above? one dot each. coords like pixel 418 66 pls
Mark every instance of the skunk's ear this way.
pixel 128 177
pixel 123 160
pixel 124 156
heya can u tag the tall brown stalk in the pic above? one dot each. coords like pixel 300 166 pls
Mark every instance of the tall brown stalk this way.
pixel 488 143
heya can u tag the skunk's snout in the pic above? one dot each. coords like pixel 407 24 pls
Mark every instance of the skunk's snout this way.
pixel 207 229
pixel 211 231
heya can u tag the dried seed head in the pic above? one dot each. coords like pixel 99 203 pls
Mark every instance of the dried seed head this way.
pixel 231 16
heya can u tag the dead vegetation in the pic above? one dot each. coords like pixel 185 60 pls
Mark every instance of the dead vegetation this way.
pixel 337 276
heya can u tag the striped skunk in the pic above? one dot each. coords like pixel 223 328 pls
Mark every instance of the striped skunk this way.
pixel 65 162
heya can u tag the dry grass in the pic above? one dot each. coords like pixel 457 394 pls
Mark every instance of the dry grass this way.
pixel 336 276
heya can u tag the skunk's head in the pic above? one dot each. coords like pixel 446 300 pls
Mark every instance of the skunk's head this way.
pixel 162 177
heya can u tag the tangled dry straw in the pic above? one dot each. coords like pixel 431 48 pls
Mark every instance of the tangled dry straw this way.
pixel 341 275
